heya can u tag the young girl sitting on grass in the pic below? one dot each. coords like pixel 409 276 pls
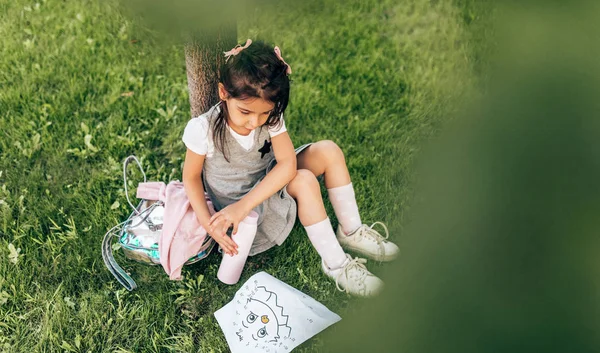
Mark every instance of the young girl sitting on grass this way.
pixel 241 153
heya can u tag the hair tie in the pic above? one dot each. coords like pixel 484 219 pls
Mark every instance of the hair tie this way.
pixel 236 50
pixel 278 53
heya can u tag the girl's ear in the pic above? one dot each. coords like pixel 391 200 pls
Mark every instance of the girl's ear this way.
pixel 223 95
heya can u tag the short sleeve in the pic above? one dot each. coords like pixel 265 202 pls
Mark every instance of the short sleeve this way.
pixel 276 130
pixel 195 135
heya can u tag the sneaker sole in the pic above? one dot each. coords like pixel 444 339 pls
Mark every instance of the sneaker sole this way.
pixel 372 256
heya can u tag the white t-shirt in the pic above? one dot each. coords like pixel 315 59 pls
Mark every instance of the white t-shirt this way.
pixel 199 139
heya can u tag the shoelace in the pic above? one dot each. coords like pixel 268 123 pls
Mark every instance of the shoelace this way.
pixel 357 263
pixel 369 232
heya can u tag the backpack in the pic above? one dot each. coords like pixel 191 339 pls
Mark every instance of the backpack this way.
pixel 139 234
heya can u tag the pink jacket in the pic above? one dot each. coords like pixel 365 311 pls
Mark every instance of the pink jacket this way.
pixel 182 235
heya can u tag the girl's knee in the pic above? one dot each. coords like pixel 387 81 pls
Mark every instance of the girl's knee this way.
pixel 305 177
pixel 303 181
pixel 329 150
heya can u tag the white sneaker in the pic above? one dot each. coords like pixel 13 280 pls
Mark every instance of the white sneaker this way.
pixel 368 242
pixel 354 278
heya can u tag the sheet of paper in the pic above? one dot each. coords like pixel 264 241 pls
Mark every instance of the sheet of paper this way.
pixel 268 315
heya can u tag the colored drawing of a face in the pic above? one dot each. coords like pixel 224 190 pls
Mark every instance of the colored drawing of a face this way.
pixel 260 323
pixel 263 318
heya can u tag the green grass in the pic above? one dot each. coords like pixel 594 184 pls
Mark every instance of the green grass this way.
pixel 377 77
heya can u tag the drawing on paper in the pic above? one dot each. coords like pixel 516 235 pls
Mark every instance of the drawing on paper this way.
pixel 263 319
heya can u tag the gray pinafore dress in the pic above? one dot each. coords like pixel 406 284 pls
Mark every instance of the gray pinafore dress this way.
pixel 227 182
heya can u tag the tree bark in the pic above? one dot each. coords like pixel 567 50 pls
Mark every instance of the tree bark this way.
pixel 203 57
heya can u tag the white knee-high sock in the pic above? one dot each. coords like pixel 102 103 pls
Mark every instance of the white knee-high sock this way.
pixel 323 238
pixel 344 205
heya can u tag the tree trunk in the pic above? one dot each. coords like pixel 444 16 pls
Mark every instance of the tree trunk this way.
pixel 203 57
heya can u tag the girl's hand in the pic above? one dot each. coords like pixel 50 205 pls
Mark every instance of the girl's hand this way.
pixel 230 215
pixel 226 243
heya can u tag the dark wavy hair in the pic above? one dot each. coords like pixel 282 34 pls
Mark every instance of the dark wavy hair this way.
pixel 256 72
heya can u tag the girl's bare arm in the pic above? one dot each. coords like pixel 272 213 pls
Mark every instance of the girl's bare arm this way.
pixel 278 177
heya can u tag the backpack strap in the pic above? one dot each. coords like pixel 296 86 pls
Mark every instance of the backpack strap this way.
pixel 109 260
pixel 125 164
pixel 107 253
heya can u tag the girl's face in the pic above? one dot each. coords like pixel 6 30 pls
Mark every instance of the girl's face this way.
pixel 245 115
